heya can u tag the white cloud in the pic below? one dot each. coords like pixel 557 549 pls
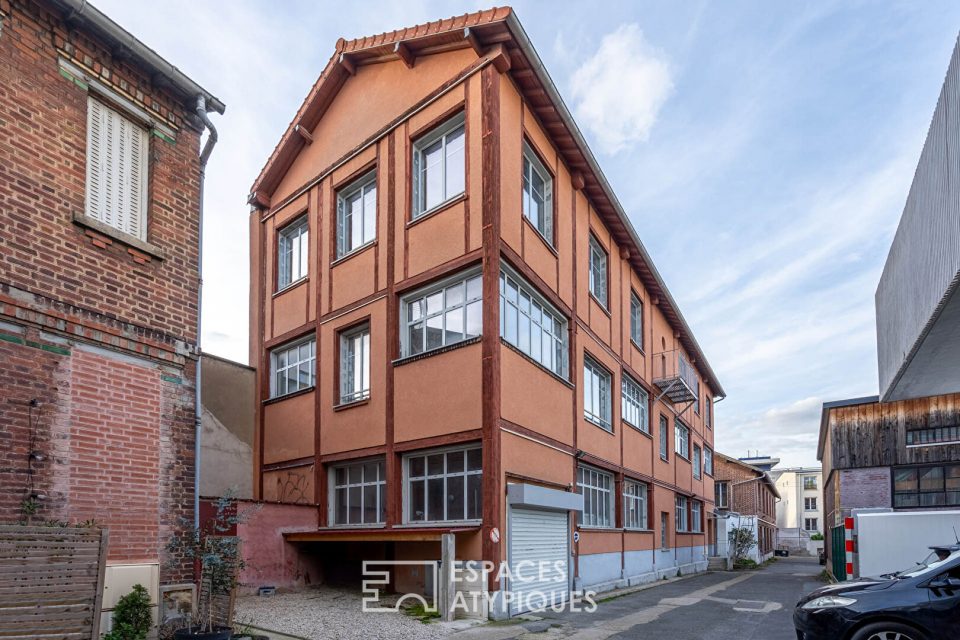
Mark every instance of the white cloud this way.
pixel 788 432
pixel 619 91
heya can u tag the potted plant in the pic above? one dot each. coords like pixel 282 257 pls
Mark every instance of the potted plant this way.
pixel 216 553
pixel 132 617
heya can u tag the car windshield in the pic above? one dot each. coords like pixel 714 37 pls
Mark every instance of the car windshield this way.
pixel 929 564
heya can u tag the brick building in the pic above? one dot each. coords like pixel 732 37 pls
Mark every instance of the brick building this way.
pixel 458 331
pixel 100 209
pixel 750 493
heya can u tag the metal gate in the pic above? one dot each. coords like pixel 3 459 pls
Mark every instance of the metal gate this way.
pixel 838 552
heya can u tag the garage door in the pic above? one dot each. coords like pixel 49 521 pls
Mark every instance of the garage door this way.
pixel 538 539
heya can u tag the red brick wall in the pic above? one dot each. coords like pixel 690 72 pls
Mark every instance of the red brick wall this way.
pixel 43 125
pixel 102 335
pixel 749 498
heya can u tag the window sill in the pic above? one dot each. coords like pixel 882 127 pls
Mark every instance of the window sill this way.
pixel 368 525
pixel 632 530
pixel 638 347
pixel 546 243
pixel 433 524
pixel 605 427
pixel 293 394
pixel 292 285
pixel 435 352
pixel 343 406
pixel 552 374
pixel 443 206
pixel 602 306
pixel 353 253
pixel 601 529
pixel 151 250
pixel 662 459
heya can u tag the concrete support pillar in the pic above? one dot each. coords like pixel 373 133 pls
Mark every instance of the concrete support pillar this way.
pixel 448 586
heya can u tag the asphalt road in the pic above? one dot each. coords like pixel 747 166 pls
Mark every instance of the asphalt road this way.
pixel 746 605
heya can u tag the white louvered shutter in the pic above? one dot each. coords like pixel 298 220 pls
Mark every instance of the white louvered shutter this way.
pixel 116 170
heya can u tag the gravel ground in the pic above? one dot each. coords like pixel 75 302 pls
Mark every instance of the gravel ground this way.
pixel 319 613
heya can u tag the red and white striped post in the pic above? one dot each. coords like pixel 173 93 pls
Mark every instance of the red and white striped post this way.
pixel 848 541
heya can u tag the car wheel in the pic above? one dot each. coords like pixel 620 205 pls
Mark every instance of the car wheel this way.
pixel 888 631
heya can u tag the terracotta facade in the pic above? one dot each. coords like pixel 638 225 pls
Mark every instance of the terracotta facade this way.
pixel 374 102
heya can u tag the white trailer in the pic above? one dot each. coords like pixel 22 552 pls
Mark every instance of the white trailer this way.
pixel 890 541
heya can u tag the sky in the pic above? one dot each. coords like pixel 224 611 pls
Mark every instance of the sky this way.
pixel 763 151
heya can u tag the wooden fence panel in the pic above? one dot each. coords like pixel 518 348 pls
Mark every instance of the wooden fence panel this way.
pixel 51 582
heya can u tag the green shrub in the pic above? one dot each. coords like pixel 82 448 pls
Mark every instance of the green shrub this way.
pixel 817 536
pixel 131 616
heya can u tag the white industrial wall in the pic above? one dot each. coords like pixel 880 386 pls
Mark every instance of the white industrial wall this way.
pixel 892 541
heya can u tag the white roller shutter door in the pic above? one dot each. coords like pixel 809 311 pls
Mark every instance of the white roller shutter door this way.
pixel 538 538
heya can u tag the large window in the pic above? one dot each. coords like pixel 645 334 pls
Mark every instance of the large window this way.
pixel 598 271
pixel 359 493
pixel 596 487
pixel 438 166
pixel 117 170
pixel 596 393
pixel 697 461
pixel 634 404
pixel 926 486
pixel 634 505
pixel 664 438
pixel 294 367
pixel 636 320
pixel 355 364
pixel 681 514
pixel 708 411
pixel 696 516
pixel 811 524
pixel 721 491
pixel 696 402
pixel 292 253
pixel 357 215
pixel 810 483
pixel 933 435
pixel 537 194
pixel 682 436
pixel 809 504
pixel 444 486
pixel 708 461
pixel 531 324
pixel 443 314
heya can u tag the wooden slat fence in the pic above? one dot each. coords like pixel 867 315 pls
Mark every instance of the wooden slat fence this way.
pixel 51 582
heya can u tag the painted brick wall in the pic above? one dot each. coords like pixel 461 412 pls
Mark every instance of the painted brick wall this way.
pixel 108 428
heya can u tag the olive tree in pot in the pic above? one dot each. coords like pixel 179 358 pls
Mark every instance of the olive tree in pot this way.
pixel 214 548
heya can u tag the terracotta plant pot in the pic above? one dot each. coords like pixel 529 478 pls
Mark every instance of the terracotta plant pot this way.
pixel 196 633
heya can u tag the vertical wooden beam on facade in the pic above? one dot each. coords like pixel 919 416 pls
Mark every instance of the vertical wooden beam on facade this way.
pixel 320 494
pixel 392 467
pixel 490 212
pixel 263 376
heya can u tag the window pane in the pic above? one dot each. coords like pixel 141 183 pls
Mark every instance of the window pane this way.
pixel 415 338
pixel 354 513
pixel 370 503
pixel 474 319
pixel 931 479
pixel 434 332
pixel 474 459
pixel 435 464
pixel 435 303
pixel 455 498
pixel 455 163
pixel 455 461
pixel 432 176
pixel 341 506
pixel 416 467
pixel 370 214
pixel 474 496
pixel 435 499
pixel 417 505
pixel 454 294
pixel 454 326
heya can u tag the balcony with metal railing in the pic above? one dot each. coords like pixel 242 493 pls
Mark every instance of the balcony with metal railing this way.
pixel 675 376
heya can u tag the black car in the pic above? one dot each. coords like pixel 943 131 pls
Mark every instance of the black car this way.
pixel 920 603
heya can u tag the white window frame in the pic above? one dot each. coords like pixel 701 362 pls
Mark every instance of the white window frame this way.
pixel 354 387
pixel 722 495
pixel 293 263
pixel 708 460
pixel 697 461
pixel 808 521
pixel 380 482
pixel 809 504
pixel 635 505
pixel 521 306
pixel 636 320
pixel 281 354
pixel 681 443
pixel 599 401
pixel 364 186
pixel 681 514
pixel 117 169
pixel 634 402
pixel 696 516
pixel 533 166
pixel 442 133
pixel 599 261
pixel 408 481
pixel 811 480
pixel 444 287
pixel 664 438
pixel 596 487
